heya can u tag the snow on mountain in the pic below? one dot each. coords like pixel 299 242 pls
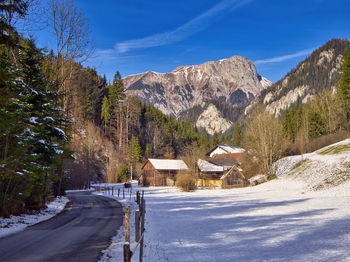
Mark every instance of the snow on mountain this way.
pixel 233 80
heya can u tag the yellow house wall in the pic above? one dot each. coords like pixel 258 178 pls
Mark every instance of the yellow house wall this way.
pixel 208 182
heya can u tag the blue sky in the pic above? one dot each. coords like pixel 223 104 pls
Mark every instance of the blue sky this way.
pixel 135 36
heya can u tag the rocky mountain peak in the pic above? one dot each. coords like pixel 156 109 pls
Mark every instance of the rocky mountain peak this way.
pixel 233 80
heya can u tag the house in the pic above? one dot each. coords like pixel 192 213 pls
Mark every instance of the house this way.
pixel 233 178
pixel 161 172
pixel 210 174
pixel 223 151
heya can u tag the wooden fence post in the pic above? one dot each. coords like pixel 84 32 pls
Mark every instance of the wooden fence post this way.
pixel 127 224
pixel 123 193
pixel 137 226
pixel 127 253
pixel 118 191
pixel 112 191
pixel 143 208
pixel 138 198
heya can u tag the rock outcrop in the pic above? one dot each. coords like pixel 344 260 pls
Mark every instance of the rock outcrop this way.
pixel 320 71
pixel 233 80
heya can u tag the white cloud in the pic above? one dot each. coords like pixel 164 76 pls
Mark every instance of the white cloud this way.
pixel 192 27
pixel 284 57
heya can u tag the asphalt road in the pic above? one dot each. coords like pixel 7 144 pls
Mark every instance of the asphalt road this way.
pixel 79 233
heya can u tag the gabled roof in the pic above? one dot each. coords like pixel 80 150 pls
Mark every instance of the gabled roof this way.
pixel 228 149
pixel 223 161
pixel 230 171
pixel 205 166
pixel 168 164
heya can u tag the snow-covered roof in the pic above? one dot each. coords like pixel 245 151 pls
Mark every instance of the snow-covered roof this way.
pixel 229 171
pixel 168 164
pixel 205 166
pixel 226 149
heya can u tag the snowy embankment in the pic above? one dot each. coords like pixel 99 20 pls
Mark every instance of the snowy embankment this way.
pixel 15 224
pixel 322 169
pixel 291 218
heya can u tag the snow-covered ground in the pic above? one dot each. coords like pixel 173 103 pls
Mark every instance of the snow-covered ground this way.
pixel 274 221
pixel 15 224
pixel 287 219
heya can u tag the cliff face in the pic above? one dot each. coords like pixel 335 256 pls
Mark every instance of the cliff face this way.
pixel 233 81
pixel 320 71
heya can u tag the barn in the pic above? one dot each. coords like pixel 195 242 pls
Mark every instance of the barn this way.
pixel 161 172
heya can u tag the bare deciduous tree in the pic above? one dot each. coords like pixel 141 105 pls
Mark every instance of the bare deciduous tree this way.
pixel 72 36
pixel 263 140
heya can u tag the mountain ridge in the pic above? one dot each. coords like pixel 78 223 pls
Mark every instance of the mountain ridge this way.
pixel 233 80
pixel 319 71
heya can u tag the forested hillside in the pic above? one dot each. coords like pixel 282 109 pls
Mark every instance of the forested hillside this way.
pixel 32 125
pixel 301 127
pixel 318 72
pixel 61 124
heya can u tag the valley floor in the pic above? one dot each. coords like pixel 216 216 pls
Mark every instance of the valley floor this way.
pixel 275 221
pixel 303 215
pixel 270 222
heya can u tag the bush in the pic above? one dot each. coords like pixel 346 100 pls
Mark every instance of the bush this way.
pixel 186 182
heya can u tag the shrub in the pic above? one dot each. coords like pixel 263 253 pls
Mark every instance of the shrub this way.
pixel 186 182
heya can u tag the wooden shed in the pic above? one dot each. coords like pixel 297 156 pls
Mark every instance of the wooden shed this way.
pixel 233 178
pixel 161 172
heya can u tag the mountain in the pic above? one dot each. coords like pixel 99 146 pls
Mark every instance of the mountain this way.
pixel 233 81
pixel 319 71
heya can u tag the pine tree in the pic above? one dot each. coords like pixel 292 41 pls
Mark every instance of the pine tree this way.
pixel 134 154
pixel 344 85
pixel 105 116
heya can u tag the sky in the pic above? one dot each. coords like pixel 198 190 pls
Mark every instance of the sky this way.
pixel 135 36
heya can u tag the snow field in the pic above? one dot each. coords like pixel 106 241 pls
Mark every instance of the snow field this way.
pixel 304 215
pixel 269 222
pixel 15 224
pixel 275 221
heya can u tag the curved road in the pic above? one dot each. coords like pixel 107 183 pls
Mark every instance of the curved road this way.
pixel 77 234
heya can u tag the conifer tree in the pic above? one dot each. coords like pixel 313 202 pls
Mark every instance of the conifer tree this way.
pixel 344 85
pixel 105 116
pixel 134 154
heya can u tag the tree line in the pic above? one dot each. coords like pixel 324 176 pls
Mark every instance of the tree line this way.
pixel 301 129
pixel 32 124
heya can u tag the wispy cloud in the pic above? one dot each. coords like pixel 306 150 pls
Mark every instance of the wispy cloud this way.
pixel 284 57
pixel 107 57
pixel 192 27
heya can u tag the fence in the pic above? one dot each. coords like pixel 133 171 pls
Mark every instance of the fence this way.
pixel 126 192
pixel 139 228
pixel 123 191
